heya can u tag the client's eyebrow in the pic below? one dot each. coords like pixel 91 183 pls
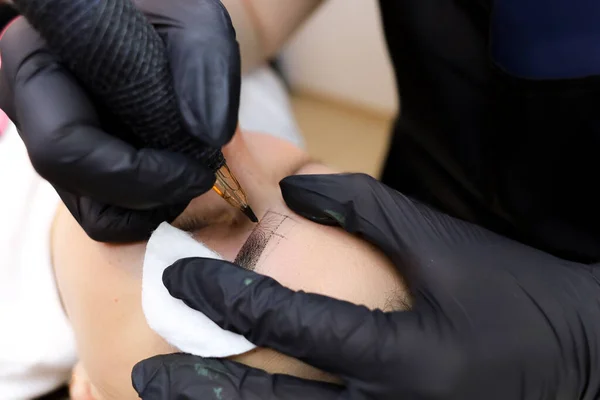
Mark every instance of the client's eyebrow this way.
pixel 252 249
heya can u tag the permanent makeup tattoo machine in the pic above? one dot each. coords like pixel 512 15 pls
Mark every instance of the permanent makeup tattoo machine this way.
pixel 110 46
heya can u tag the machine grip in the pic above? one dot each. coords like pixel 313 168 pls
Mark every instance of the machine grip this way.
pixel 111 47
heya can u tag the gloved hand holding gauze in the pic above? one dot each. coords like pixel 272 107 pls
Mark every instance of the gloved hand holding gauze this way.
pixel 181 326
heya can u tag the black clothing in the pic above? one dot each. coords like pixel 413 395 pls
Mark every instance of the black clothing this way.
pixel 509 146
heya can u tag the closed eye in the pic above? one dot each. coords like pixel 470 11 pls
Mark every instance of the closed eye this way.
pixel 192 222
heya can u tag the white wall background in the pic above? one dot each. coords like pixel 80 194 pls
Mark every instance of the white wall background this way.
pixel 340 53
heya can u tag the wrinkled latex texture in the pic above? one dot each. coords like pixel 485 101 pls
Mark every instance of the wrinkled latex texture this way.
pixel 116 192
pixel 490 319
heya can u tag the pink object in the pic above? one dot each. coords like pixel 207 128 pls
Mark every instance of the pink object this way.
pixel 3 122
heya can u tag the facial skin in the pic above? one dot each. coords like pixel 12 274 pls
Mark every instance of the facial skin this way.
pixel 100 284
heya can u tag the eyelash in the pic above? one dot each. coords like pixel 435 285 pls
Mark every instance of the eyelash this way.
pixel 192 224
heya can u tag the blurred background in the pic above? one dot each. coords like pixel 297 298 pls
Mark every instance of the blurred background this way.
pixel 342 85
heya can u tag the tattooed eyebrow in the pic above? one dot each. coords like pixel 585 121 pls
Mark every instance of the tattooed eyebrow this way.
pixel 254 246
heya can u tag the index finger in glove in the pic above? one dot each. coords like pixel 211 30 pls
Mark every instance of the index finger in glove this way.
pixel 359 204
pixel 177 376
pixel 205 61
pixel 333 335
pixel 408 232
pixel 61 130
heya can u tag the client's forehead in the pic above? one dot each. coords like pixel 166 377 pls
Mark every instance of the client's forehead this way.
pixel 303 255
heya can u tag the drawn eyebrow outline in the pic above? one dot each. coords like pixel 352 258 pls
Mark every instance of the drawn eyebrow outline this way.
pixel 256 243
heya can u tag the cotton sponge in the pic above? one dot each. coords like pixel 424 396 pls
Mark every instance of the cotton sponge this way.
pixel 181 326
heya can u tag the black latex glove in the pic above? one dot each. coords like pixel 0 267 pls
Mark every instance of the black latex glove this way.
pixel 73 144
pixel 491 318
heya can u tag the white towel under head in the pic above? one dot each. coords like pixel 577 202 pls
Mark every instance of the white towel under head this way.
pixel 181 326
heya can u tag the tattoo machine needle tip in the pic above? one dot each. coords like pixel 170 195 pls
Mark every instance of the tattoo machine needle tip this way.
pixel 227 186
pixel 250 214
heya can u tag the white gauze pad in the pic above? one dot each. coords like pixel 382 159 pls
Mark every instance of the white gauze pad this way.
pixel 181 326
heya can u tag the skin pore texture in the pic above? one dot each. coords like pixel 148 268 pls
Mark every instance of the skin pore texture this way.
pixel 100 284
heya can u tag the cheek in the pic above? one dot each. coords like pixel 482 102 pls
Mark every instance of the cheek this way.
pixel 100 286
pixel 85 268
